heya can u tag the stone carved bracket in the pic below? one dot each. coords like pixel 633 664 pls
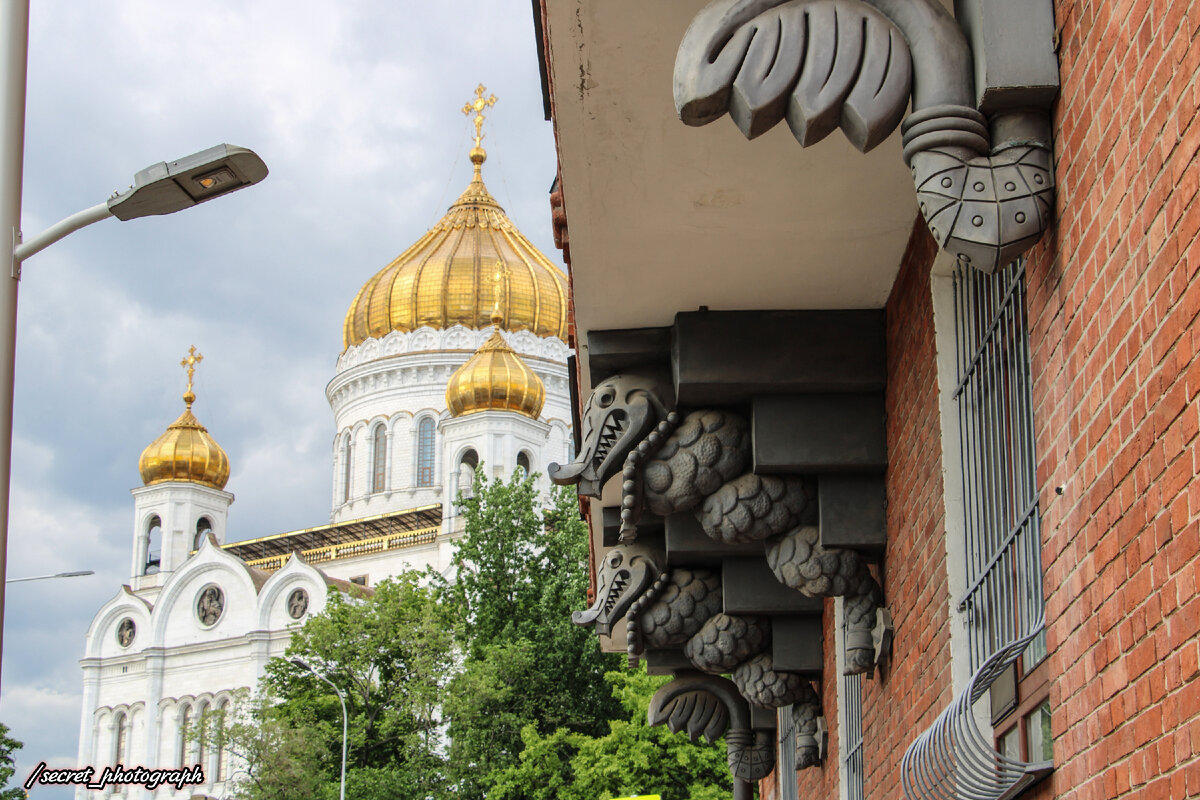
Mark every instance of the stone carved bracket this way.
pixel 822 64
pixel 700 462
pixel 800 561
pixel 709 706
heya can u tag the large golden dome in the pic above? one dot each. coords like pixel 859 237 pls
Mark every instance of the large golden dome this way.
pixel 445 278
pixel 185 451
pixel 495 379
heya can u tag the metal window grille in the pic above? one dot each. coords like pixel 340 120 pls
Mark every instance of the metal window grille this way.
pixel 852 759
pixel 425 452
pixel 1000 494
pixel 785 770
pixel 379 459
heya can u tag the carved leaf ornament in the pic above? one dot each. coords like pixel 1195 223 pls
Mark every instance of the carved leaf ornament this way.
pixel 694 710
pixel 821 64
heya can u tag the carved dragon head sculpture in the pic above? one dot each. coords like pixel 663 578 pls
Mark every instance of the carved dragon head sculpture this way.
pixel 626 573
pixel 621 412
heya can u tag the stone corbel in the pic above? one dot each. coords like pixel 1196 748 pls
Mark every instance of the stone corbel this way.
pixel 710 706
pixel 985 185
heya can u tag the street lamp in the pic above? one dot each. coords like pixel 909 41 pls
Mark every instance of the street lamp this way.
pixel 77 574
pixel 160 189
pixel 345 719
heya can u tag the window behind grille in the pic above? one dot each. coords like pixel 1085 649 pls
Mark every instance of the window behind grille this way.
pixel 1000 493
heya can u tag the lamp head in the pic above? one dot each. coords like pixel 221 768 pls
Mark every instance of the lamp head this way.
pixel 167 187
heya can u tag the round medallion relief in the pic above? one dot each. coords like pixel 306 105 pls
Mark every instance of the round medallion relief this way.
pixel 210 604
pixel 297 604
pixel 125 632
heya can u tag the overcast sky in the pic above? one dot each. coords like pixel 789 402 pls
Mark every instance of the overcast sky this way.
pixel 355 106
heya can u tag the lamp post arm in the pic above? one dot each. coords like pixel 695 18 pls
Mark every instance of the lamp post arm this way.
pixel 78 574
pixel 60 230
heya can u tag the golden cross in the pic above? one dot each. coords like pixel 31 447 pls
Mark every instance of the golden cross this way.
pixel 478 105
pixel 189 363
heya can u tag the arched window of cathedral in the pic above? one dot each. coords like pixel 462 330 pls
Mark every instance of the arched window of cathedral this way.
pixel 347 453
pixel 523 462
pixel 221 760
pixel 120 739
pixel 200 739
pixel 203 528
pixel 153 545
pixel 378 459
pixel 185 722
pixel 466 472
pixel 425 452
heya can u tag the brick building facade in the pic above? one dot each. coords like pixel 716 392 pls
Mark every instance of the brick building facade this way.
pixel 1105 317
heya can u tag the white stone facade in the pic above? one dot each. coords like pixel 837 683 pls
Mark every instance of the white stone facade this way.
pixel 142 684
pixel 396 448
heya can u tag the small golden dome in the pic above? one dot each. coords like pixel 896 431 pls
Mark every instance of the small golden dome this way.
pixel 495 379
pixel 185 451
pixel 443 279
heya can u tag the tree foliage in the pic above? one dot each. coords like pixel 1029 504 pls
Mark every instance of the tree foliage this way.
pixel 275 759
pixel 8 749
pixel 392 654
pixel 480 688
pixel 522 570
pixel 631 759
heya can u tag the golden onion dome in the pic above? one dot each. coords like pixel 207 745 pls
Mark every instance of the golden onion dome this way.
pixel 185 451
pixel 444 278
pixel 495 379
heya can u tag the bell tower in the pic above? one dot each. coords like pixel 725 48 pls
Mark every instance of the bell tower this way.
pixel 182 498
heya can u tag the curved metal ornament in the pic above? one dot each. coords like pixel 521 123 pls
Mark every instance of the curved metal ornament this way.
pixel 954 759
pixel 821 64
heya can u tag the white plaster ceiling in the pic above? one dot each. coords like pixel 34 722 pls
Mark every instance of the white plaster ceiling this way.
pixel 665 218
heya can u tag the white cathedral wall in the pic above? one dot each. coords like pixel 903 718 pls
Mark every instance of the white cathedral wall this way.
pixel 401 378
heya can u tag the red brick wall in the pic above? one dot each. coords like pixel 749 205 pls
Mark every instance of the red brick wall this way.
pixel 908 692
pixel 1113 303
pixel 915 685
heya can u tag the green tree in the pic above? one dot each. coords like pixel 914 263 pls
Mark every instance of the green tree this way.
pixel 8 748
pixel 522 570
pixel 631 759
pixel 392 654
pixel 275 759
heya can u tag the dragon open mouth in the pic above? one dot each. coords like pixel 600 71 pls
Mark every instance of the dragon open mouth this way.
pixel 614 593
pixel 610 433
